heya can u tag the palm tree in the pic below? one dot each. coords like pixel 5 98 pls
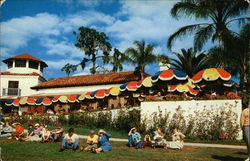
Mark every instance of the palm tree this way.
pixel 142 55
pixel 220 12
pixel 235 58
pixel 189 62
pixel 116 60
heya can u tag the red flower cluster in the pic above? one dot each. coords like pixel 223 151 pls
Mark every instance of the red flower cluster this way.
pixel 223 136
pixel 232 95
pixel 210 96
pixel 172 95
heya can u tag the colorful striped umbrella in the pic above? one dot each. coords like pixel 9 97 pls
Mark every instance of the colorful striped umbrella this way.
pixel 100 94
pixel 73 98
pixel 113 91
pixel 31 101
pixel 23 101
pixel 27 100
pixel 90 95
pixel 55 99
pixel 82 96
pixel 170 75
pixel 9 102
pixel 181 88
pixel 146 82
pixel 129 86
pixel 62 99
pixel 43 101
pixel 210 75
pixel 15 102
pixel 231 83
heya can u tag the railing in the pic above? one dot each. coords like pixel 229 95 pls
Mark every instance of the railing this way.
pixel 11 91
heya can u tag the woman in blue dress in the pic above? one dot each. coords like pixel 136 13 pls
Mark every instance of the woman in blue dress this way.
pixel 103 140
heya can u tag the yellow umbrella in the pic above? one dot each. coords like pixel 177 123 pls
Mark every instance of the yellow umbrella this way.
pixel 63 99
pixel 82 96
pixel 114 91
pixel 23 101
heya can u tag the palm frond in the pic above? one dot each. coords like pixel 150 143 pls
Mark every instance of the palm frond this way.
pixel 202 36
pixel 183 32
pixel 241 20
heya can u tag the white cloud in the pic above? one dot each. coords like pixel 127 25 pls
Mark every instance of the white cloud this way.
pixel 49 30
pixel 148 20
pixel 18 31
pixel 87 3
pixel 136 20
pixel 58 64
pixel 62 48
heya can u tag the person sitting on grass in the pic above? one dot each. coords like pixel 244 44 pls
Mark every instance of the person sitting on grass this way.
pixel 177 140
pixel 35 135
pixel 134 138
pixel 92 141
pixel 18 132
pixel 58 133
pixel 30 130
pixel 70 141
pixel 7 130
pixel 147 140
pixel 159 140
pixel 46 135
pixel 103 140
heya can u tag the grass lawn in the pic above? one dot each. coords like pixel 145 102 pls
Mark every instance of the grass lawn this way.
pixel 12 150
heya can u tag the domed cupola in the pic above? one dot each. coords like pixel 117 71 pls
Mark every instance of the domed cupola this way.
pixel 25 63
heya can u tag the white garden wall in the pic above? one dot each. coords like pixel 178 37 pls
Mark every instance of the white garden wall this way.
pixel 190 108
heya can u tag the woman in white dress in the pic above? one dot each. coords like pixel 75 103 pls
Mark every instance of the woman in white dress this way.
pixel 159 140
pixel 177 140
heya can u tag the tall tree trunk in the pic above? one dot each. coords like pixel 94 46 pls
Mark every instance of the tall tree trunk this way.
pixel 142 72
pixel 93 71
pixel 244 82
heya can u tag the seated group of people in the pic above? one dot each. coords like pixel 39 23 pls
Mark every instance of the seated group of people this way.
pixel 95 143
pixel 37 132
pixel 14 132
pixel 134 139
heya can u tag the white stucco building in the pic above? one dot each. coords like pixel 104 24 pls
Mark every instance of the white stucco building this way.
pixel 22 72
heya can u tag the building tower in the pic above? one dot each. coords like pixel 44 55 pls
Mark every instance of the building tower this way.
pixel 22 72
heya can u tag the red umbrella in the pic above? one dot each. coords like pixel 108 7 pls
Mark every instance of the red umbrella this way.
pixel 31 101
pixel 73 98
pixel 100 94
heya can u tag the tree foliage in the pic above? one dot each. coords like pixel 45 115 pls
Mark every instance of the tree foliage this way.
pixel 95 46
pixel 235 57
pixel 189 61
pixel 142 55
pixel 221 13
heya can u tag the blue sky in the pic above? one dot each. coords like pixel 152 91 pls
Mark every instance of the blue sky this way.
pixel 43 28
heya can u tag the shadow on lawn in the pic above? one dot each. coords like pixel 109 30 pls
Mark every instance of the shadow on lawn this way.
pixel 241 153
pixel 227 158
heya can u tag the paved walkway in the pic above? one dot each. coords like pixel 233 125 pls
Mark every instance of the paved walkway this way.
pixel 187 144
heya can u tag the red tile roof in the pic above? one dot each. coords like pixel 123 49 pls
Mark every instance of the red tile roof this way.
pixel 85 80
pixel 23 74
pixel 25 56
